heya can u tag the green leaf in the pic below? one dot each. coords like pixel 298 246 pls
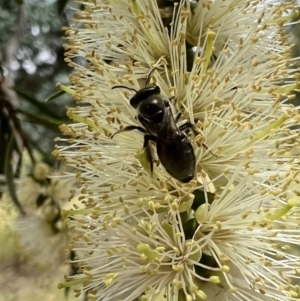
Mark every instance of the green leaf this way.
pixel 4 130
pixel 200 198
pixel 56 95
pixel 19 165
pixel 61 4
pixel 208 261
pixel 41 106
pixel 190 57
pixel 189 228
pixel 46 157
pixel 9 172
pixel 51 123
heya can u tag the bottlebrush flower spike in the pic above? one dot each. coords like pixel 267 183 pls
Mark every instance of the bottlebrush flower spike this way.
pixel 226 66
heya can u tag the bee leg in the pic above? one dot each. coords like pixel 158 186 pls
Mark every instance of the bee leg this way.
pixel 178 116
pixel 206 147
pixel 189 125
pixel 149 157
pixel 146 146
pixel 74 267
pixel 129 128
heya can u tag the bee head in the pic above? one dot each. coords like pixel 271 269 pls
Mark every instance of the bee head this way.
pixel 152 108
pixel 144 94
pixel 148 102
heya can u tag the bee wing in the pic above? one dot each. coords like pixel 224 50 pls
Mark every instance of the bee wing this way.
pixel 170 121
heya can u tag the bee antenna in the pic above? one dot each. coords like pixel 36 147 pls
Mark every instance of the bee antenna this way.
pixel 128 88
pixel 149 76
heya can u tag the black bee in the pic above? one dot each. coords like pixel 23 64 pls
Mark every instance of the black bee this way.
pixel 174 149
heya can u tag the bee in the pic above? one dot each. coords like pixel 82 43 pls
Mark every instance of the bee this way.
pixel 174 149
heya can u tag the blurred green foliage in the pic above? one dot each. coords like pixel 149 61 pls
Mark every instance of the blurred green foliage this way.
pixel 37 62
pixel 31 63
pixel 39 57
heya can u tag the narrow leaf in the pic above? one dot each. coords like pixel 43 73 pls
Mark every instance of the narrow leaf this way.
pixel 56 95
pixel 4 130
pixel 10 174
pixel 46 157
pixel 61 4
pixel 41 106
pixel 46 121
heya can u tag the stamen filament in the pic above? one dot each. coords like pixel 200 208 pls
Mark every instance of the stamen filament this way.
pixel 267 131
pixel 140 17
pixel 66 213
pixel 277 215
pixel 281 20
pixel 81 119
pixel 208 51
pixel 72 282
pixel 66 89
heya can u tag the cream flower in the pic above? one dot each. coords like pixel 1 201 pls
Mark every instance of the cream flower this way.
pixel 40 244
pixel 39 187
pixel 41 235
pixel 225 66
pixel 231 249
